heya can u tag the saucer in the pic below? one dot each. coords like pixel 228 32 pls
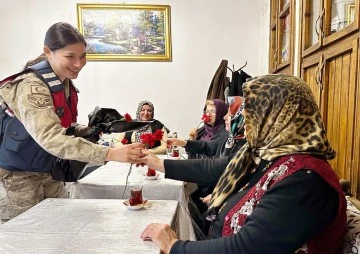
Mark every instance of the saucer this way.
pixel 135 207
pixel 151 177
pixel 173 158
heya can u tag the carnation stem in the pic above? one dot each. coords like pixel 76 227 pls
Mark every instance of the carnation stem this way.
pixel 199 125
pixel 127 178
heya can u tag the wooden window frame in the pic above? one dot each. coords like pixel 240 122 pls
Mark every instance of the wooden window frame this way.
pixel 279 11
pixel 325 38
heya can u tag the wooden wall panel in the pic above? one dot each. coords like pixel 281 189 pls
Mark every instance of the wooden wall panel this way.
pixel 309 78
pixel 356 154
pixel 355 100
pixel 340 110
pixel 338 96
pixel 346 121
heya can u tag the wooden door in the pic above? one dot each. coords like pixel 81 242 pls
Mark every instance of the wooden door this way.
pixel 310 72
pixel 330 65
pixel 338 104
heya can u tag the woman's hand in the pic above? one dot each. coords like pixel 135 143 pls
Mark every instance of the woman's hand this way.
pixel 161 234
pixel 193 134
pixel 206 199
pixel 128 153
pixel 176 142
pixel 151 160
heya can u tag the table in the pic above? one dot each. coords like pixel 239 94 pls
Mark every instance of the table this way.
pixel 85 226
pixel 109 181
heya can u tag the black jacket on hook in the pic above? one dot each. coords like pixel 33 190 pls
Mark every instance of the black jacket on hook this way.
pixel 237 80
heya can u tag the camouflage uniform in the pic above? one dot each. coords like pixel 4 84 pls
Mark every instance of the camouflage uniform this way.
pixel 30 100
pixel 26 189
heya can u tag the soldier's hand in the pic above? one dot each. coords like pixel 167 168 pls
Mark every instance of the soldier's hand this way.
pixel 128 153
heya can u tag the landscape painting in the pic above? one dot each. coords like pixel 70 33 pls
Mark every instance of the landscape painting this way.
pixel 126 32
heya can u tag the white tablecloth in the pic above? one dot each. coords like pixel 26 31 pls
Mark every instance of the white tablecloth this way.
pixel 84 226
pixel 109 181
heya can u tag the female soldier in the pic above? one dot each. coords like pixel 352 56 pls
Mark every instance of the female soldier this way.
pixel 38 105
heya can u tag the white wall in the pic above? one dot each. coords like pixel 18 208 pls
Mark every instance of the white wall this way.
pixel 264 37
pixel 203 33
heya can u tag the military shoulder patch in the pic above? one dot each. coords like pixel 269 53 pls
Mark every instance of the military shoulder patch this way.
pixel 36 89
pixel 39 100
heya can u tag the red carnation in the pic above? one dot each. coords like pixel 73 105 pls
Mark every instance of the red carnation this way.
pixel 205 118
pixel 148 139
pixel 127 117
pixel 158 134
pixel 124 141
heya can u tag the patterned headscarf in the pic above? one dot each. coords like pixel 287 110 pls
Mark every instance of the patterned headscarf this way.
pixel 281 118
pixel 236 132
pixel 147 128
pixel 141 104
pixel 221 110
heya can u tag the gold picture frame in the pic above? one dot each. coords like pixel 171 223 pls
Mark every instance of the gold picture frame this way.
pixel 350 17
pixel 121 32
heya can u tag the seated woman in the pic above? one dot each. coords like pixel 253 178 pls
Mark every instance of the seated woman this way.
pixel 145 112
pixel 226 145
pixel 278 194
pixel 231 140
pixel 215 110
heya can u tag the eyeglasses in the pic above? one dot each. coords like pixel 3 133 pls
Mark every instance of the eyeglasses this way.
pixel 210 112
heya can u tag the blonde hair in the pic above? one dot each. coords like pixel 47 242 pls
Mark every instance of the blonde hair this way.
pixel 209 103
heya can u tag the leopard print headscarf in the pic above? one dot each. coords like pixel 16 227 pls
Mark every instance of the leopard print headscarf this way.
pixel 281 118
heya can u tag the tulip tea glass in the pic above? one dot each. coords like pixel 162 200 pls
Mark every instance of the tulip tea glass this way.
pixel 151 172
pixel 169 152
pixel 135 195
pixel 168 149
pixel 175 152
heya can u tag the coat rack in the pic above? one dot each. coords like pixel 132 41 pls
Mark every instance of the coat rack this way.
pixel 242 67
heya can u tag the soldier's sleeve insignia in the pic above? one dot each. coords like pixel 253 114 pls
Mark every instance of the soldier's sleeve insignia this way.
pixel 39 101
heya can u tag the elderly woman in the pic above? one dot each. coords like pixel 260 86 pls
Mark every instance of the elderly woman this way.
pixel 278 194
pixel 226 145
pixel 229 141
pixel 145 112
pixel 213 129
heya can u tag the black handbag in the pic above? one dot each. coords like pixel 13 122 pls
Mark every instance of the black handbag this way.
pixel 100 120
pixel 71 170
pixel 68 170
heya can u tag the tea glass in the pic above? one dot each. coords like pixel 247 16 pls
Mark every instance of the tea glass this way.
pixel 169 150
pixel 151 172
pixel 175 152
pixel 136 195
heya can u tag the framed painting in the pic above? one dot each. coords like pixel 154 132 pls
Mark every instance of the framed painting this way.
pixel 124 32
